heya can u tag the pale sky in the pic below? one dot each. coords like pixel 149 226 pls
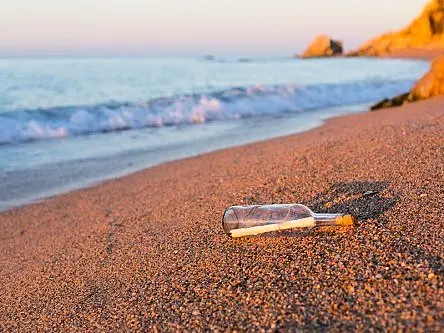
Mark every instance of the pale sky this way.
pixel 191 27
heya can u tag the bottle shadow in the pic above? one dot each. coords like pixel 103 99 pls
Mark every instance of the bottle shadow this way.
pixel 364 200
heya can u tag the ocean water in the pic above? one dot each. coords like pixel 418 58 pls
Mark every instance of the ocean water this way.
pixel 69 123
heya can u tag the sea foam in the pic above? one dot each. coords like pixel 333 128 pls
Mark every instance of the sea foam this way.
pixel 233 103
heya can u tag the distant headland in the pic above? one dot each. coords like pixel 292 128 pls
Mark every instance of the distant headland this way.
pixel 423 38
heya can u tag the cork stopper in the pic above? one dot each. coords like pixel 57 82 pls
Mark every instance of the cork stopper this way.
pixel 345 220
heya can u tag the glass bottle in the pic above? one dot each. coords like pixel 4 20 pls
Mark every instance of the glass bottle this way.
pixel 240 221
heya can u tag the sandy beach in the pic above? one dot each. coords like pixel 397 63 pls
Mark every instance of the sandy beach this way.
pixel 147 251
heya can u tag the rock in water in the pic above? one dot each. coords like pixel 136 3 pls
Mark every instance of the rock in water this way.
pixel 323 46
pixel 426 31
pixel 390 103
pixel 431 84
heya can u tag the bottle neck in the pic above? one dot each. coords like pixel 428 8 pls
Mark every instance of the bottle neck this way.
pixel 322 220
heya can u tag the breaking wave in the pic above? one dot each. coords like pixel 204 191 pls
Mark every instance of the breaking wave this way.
pixel 233 103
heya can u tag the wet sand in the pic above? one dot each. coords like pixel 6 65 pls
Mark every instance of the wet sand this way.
pixel 147 251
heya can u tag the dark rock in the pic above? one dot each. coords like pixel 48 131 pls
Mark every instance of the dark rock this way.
pixel 323 46
pixel 390 103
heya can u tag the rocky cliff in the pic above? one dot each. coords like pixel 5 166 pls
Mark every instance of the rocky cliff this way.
pixel 425 32
pixel 430 85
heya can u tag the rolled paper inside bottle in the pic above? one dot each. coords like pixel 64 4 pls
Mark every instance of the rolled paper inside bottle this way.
pixel 257 230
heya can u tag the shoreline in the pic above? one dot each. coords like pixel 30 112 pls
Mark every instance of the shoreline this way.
pixel 146 250
pixel 44 182
pixel 38 181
